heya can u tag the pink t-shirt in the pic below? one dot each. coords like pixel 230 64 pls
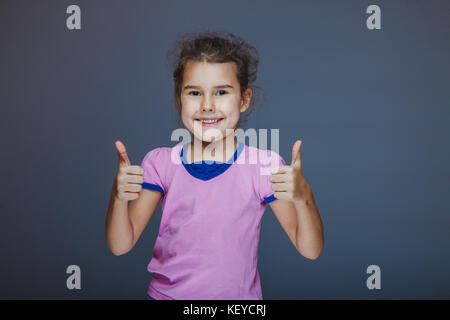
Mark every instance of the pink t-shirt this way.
pixel 207 243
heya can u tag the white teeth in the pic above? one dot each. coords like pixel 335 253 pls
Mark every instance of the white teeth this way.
pixel 209 121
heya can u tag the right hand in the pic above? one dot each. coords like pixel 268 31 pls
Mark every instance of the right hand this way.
pixel 127 185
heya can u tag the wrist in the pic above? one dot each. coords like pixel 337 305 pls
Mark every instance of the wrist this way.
pixel 115 196
pixel 306 200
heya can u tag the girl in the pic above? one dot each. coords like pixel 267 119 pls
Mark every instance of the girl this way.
pixel 211 204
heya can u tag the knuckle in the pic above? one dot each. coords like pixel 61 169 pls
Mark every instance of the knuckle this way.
pixel 123 170
pixel 121 178
pixel 137 169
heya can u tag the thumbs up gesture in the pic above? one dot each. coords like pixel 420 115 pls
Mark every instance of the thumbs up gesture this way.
pixel 127 184
pixel 288 181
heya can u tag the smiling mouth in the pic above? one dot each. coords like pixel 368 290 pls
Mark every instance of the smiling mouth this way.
pixel 209 122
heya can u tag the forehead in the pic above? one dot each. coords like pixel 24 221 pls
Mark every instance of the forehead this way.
pixel 209 73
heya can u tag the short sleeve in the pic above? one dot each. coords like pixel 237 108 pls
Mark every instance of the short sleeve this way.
pixel 265 185
pixel 153 165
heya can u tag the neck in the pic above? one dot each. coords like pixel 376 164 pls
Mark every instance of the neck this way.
pixel 220 150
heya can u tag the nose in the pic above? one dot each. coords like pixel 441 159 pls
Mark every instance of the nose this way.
pixel 208 105
pixel 207 108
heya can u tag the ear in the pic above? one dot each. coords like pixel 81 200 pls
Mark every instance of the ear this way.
pixel 246 98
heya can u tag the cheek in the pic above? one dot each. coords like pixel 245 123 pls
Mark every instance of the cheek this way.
pixel 233 115
pixel 231 108
pixel 187 119
pixel 187 109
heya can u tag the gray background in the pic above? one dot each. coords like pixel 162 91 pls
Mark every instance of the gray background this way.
pixel 372 108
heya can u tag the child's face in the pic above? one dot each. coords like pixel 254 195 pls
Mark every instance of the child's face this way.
pixel 212 91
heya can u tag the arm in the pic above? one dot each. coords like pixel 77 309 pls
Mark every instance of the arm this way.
pixel 125 221
pixel 301 222
pixel 296 208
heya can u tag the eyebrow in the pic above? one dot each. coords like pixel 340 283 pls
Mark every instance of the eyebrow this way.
pixel 216 87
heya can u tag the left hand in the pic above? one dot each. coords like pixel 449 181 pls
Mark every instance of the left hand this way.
pixel 288 181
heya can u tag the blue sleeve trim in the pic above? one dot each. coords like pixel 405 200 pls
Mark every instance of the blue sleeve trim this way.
pixel 151 186
pixel 270 199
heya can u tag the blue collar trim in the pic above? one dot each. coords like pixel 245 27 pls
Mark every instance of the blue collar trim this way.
pixel 208 169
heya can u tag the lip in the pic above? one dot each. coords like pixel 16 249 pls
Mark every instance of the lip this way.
pixel 209 124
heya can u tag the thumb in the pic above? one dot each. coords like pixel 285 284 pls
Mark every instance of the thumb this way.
pixel 296 162
pixel 122 152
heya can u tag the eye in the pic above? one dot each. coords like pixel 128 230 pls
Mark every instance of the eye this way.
pixel 194 93
pixel 221 92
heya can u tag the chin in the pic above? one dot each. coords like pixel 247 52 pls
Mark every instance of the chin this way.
pixel 209 139
pixel 209 135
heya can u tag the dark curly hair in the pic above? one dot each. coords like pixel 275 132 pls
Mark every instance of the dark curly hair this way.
pixel 216 47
